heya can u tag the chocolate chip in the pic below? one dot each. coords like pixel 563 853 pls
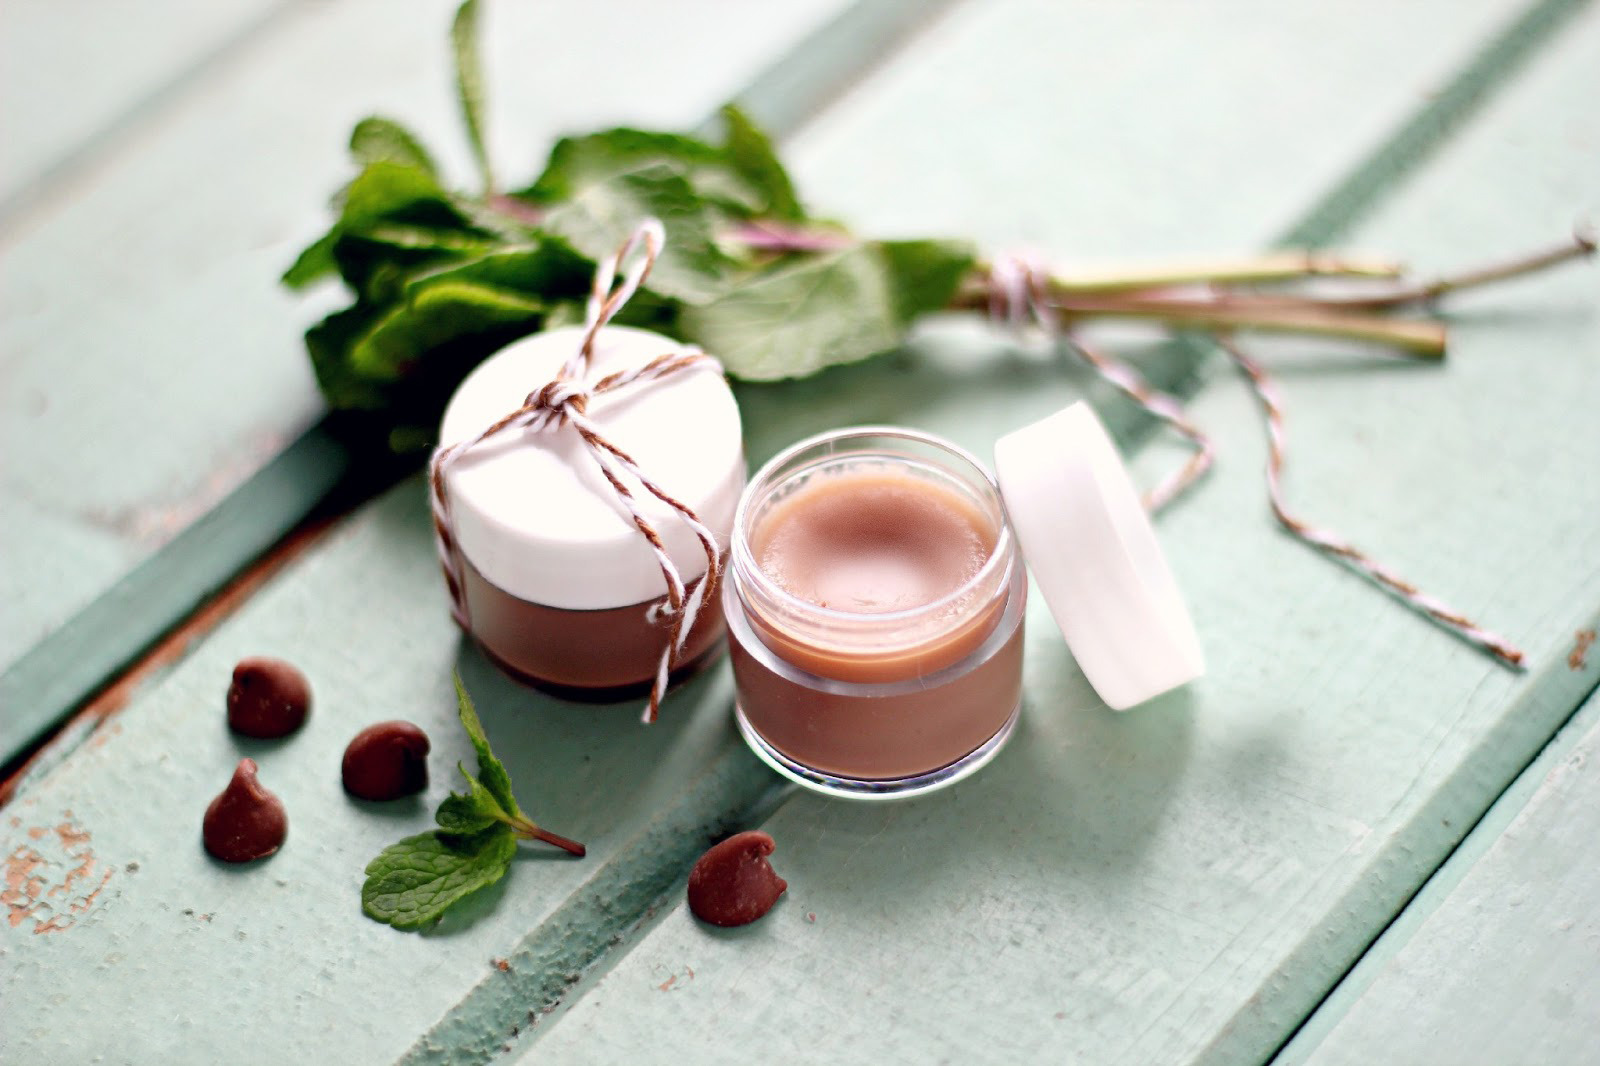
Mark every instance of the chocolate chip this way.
pixel 733 884
pixel 245 822
pixel 386 761
pixel 268 698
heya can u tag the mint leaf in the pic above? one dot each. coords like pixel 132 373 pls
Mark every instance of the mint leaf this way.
pixel 799 317
pixel 469 85
pixel 411 883
pixel 376 139
pixel 469 812
pixel 314 263
pixel 425 238
pixel 386 188
pixel 599 157
pixel 437 313
pixel 601 214
pixel 549 270
pixel 924 275
pixel 751 155
pixel 329 343
pixel 491 771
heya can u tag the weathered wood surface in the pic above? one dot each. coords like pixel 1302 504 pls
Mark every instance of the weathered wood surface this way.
pixel 1498 958
pixel 1181 882
pixel 150 361
pixel 1185 882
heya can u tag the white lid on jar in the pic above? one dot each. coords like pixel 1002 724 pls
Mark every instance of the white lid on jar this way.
pixel 532 511
pixel 1094 555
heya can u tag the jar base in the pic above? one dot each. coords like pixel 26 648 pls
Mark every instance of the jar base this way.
pixel 857 788
pixel 609 693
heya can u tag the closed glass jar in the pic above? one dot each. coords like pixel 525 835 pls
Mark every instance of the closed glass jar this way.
pixel 875 599
pixel 553 578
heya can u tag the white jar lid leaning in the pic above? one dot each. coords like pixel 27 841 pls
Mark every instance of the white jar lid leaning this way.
pixel 1094 555
pixel 532 511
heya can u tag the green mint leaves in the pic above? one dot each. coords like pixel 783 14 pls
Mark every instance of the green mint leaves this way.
pixel 440 278
pixel 412 883
pixel 469 86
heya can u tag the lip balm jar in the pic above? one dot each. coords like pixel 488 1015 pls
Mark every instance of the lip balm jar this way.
pixel 556 582
pixel 875 599
pixel 876 593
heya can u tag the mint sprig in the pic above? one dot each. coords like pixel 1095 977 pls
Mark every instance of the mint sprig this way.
pixel 441 278
pixel 413 882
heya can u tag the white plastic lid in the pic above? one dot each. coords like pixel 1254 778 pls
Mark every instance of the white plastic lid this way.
pixel 532 511
pixel 1095 557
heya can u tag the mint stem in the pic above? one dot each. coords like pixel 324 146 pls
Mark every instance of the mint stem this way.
pixel 1580 246
pixel 528 830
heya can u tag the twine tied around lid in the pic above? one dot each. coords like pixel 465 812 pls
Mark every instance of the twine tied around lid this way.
pixel 565 402
pixel 1019 288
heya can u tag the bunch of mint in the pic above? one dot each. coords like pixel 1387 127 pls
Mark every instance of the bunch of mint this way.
pixel 442 278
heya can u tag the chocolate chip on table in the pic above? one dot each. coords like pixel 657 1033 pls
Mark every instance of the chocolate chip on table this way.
pixel 386 761
pixel 733 884
pixel 245 822
pixel 268 698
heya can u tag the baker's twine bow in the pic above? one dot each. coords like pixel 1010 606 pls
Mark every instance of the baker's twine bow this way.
pixel 565 402
pixel 1019 290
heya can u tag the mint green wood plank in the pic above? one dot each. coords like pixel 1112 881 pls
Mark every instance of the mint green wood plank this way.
pixel 1185 882
pixel 151 363
pixel 1496 960
pixel 74 75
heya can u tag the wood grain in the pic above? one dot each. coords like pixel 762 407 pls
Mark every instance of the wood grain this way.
pixel 1181 882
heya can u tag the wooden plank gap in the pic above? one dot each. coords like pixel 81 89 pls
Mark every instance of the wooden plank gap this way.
pixel 1432 892
pixel 164 654
pixel 825 65
pixel 1399 154
pixel 317 476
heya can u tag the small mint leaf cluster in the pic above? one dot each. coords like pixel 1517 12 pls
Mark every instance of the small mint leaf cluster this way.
pixel 412 883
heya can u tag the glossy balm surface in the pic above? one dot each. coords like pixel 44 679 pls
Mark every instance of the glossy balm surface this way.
pixel 871 539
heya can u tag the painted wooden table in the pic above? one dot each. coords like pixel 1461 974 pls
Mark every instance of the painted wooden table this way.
pixel 1354 840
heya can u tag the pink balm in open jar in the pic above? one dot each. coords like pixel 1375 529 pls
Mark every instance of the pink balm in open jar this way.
pixel 875 597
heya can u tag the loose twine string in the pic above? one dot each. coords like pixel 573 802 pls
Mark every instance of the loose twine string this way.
pixel 1019 288
pixel 565 401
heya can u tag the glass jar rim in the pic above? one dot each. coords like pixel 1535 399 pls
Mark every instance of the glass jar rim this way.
pixel 746 569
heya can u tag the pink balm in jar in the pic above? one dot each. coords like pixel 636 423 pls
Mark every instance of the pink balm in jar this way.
pixel 875 599
pixel 876 589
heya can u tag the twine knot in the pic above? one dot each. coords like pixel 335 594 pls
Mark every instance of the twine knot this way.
pixel 549 406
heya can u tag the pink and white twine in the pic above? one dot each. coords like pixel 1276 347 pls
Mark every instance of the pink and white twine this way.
pixel 564 402
pixel 1019 290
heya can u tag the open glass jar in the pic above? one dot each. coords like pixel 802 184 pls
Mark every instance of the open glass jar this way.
pixel 875 596
pixel 876 587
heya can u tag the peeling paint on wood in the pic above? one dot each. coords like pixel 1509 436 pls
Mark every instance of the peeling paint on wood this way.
pixel 53 879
